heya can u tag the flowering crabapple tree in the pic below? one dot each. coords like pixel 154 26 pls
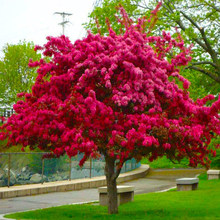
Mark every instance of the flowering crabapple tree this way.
pixel 115 96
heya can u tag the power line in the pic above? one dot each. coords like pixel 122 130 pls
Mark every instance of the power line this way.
pixel 64 22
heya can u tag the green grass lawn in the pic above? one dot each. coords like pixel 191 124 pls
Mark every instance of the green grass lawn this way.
pixel 163 162
pixel 201 204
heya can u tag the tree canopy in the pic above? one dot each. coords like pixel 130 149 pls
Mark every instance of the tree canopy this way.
pixel 15 75
pixel 116 96
pixel 201 29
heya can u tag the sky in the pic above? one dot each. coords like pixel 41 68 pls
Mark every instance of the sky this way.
pixel 34 20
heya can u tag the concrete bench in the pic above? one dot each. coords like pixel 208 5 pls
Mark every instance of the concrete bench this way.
pixel 125 194
pixel 187 184
pixel 213 174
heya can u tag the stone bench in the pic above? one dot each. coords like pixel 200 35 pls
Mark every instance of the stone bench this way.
pixel 125 194
pixel 213 174
pixel 187 184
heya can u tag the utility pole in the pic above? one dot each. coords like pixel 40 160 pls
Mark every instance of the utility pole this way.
pixel 63 14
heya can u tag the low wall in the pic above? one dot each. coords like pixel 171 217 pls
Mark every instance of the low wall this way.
pixel 62 186
pixel 22 168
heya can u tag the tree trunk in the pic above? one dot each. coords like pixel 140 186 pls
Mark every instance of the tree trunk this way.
pixel 111 185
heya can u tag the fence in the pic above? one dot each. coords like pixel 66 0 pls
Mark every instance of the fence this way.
pixel 29 168
pixel 6 112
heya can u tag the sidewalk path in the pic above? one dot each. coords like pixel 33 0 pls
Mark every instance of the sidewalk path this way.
pixel 156 180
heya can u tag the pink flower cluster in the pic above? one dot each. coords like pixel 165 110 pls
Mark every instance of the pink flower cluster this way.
pixel 114 95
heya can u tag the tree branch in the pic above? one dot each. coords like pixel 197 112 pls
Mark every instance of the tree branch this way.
pixel 190 19
pixel 205 62
pixel 195 6
pixel 210 74
pixel 168 7
pixel 213 6
pixel 144 7
pixel 182 26
pixel 117 172
pixel 209 49
pixel 201 30
pixel 203 42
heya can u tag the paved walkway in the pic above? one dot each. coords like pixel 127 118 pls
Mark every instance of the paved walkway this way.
pixel 156 180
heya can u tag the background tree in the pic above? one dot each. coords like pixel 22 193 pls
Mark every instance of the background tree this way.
pixel 15 75
pixel 115 95
pixel 108 9
pixel 201 29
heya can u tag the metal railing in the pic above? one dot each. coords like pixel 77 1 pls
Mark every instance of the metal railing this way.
pixel 30 168
pixel 6 112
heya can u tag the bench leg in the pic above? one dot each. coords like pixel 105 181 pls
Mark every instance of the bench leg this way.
pixel 103 199
pixel 122 198
pixel 126 197
pixel 213 176
pixel 187 187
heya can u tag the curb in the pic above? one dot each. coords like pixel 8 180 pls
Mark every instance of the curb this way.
pixel 63 186
pixel 76 203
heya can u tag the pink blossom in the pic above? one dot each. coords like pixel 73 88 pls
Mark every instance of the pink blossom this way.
pixel 166 146
pixel 112 95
